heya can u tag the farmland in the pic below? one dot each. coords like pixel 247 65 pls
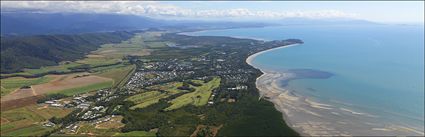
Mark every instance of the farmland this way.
pixel 167 93
pixel 26 121
pixel 198 98
pixel 84 89
pixel 73 84
pixel 119 74
pixel 10 84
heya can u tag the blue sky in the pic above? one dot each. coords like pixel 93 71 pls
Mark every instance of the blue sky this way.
pixel 381 11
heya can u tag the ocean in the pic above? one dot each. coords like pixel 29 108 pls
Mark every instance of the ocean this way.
pixel 361 79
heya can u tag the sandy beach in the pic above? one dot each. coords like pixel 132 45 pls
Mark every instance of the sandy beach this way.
pixel 313 118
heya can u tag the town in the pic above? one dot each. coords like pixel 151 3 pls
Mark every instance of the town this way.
pixel 185 70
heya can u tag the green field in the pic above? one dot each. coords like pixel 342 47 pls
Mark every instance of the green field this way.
pixel 118 74
pixel 26 121
pixel 33 130
pixel 99 61
pixel 10 84
pixel 147 98
pixel 85 89
pixel 198 98
pixel 169 87
pixel 137 134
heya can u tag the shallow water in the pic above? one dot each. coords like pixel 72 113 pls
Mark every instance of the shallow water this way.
pixel 375 70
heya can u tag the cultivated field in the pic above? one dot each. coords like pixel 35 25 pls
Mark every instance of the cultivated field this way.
pixel 118 74
pixel 11 84
pixel 83 83
pixel 27 121
pixel 68 84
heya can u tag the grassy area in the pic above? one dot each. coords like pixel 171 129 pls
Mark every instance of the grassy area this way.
pixel 117 74
pixel 63 67
pixel 26 121
pixel 137 134
pixel 10 84
pixel 198 98
pixel 108 54
pixel 147 98
pixel 32 130
pixel 169 87
pixel 99 61
pixel 84 89
pixel 133 46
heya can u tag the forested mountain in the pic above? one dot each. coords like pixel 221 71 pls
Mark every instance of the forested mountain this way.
pixel 18 52
pixel 32 23
pixel 28 23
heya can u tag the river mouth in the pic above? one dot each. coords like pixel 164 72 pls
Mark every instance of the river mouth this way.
pixel 311 117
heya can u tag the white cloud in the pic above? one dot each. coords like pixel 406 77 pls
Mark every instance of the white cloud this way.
pixel 157 9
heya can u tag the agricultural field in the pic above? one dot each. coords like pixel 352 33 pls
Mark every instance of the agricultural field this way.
pixel 118 75
pixel 73 85
pixel 62 67
pixel 99 61
pixel 134 46
pixel 27 121
pixel 197 98
pixel 85 89
pixel 11 84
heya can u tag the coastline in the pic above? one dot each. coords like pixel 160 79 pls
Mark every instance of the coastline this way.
pixel 251 57
pixel 312 118
pixel 266 75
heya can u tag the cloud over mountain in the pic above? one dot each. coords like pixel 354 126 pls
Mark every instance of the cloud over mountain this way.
pixel 158 9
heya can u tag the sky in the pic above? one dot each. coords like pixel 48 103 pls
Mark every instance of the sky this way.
pixel 377 11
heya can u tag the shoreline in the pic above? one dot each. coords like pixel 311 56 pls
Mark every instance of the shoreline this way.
pixel 265 73
pixel 251 57
pixel 309 117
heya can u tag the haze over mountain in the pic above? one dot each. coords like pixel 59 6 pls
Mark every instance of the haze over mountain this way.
pixel 30 23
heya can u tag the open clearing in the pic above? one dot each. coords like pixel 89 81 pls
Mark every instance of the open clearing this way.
pixel 68 83
pixel 26 121
pixel 11 84
pixel 114 123
pixel 211 129
pixel 198 98
pixel 147 98
pixel 61 83
pixel 117 74
pixel 154 95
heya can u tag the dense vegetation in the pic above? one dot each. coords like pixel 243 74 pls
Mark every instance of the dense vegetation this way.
pixel 42 50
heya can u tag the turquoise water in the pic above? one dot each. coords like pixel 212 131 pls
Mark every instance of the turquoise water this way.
pixel 377 69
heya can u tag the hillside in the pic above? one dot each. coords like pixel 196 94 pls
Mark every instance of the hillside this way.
pixel 41 50
pixel 28 23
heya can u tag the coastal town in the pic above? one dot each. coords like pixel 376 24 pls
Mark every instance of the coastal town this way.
pixel 192 75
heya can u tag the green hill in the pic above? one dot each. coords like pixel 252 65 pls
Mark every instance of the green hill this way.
pixel 18 52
